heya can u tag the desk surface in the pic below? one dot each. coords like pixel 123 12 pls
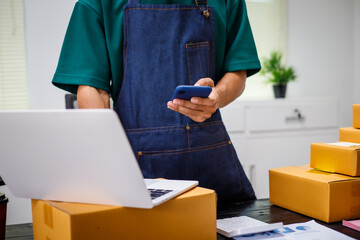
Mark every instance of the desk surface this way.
pixel 259 209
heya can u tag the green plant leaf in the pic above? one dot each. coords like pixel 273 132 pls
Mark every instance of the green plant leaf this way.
pixel 275 72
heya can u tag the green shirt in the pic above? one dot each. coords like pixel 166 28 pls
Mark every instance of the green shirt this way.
pixel 90 57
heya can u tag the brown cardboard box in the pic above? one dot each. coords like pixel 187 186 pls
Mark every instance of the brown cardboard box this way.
pixel 191 215
pixel 337 157
pixel 356 115
pixel 325 196
pixel 349 134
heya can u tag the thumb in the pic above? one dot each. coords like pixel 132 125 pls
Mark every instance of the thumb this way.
pixel 205 82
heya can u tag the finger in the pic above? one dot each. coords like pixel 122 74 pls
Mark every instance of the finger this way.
pixel 203 101
pixel 205 104
pixel 196 115
pixel 205 82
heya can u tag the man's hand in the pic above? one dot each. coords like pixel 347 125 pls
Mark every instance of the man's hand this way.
pixel 197 108
pixel 227 90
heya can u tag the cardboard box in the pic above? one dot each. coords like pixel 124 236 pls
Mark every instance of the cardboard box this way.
pixel 356 115
pixel 338 157
pixel 191 215
pixel 325 196
pixel 349 134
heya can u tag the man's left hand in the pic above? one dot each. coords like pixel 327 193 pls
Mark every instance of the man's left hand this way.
pixel 197 108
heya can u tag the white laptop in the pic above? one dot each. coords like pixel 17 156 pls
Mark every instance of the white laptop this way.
pixel 75 156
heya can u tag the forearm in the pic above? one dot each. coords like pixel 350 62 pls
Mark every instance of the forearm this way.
pixel 230 87
pixel 227 90
pixel 90 97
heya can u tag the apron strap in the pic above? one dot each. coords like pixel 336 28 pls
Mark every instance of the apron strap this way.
pixel 138 2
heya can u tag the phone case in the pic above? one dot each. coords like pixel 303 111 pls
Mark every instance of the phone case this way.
pixel 188 91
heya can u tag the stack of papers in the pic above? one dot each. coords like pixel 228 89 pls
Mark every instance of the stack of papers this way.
pixel 298 231
pixel 242 225
pixel 355 224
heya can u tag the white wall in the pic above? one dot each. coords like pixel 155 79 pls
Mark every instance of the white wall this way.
pixel 357 53
pixel 45 23
pixel 321 44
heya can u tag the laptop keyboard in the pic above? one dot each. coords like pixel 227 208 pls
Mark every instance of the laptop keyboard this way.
pixel 155 193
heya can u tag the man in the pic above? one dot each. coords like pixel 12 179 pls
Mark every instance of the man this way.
pixel 138 52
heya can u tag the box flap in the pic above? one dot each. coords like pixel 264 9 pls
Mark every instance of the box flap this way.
pixel 340 145
pixel 309 173
pixel 81 208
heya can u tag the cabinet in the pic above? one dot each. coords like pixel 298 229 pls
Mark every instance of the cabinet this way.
pixel 277 133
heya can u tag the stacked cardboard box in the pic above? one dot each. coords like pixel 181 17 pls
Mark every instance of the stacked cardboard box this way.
pixel 328 189
pixel 342 157
pixel 325 196
pixel 349 134
pixel 191 215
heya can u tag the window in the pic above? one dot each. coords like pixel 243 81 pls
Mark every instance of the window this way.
pixel 13 77
pixel 268 23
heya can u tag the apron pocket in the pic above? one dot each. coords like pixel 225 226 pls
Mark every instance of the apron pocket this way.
pixel 165 164
pixel 198 61
pixel 172 164
pixel 215 166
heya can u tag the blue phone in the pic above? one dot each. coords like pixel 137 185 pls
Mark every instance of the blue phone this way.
pixel 189 91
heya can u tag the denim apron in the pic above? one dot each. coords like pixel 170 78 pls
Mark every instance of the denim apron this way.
pixel 166 46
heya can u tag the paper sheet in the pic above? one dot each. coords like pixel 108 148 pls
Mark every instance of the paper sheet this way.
pixel 298 231
pixel 354 224
pixel 345 144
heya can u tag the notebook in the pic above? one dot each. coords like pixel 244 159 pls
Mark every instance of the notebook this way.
pixel 76 156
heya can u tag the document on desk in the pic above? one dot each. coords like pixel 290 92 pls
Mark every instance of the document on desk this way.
pixel 298 231
pixel 354 224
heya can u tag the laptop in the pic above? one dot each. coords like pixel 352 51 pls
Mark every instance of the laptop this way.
pixel 76 156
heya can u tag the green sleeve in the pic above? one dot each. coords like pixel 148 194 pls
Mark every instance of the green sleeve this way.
pixel 84 58
pixel 241 51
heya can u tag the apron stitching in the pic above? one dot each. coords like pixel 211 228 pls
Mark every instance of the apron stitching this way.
pixel 185 149
pixel 155 9
pixel 197 45
pixel 209 124
pixel 188 151
pixel 188 63
pixel 198 51
pixel 162 130
pixel 141 130
pixel 188 134
pixel 236 165
pixel 154 128
pixel 208 73
pixel 172 129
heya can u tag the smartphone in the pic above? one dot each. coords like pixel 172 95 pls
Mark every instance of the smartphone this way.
pixel 189 91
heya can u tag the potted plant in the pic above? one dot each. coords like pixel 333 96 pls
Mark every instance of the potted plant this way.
pixel 277 74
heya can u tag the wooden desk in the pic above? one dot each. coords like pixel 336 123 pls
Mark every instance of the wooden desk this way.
pixel 259 209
